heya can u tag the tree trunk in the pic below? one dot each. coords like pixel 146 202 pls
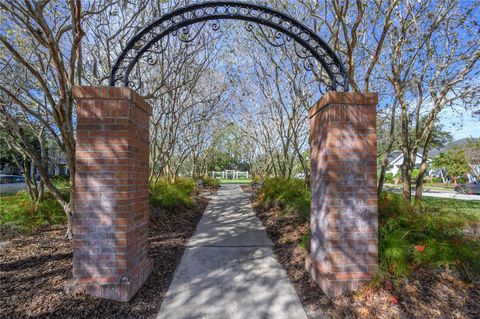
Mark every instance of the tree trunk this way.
pixel 406 170
pixel 69 212
pixel 383 170
pixel 406 184
pixel 421 175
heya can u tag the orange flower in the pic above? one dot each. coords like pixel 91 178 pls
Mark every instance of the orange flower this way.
pixel 420 248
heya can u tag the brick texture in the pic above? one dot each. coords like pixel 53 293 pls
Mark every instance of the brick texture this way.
pixel 344 215
pixel 111 193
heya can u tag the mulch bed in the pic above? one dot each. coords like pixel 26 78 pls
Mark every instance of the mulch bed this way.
pixel 35 268
pixel 428 294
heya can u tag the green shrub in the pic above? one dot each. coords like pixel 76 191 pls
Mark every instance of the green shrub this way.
pixel 61 182
pixel 18 214
pixel 389 178
pixel 415 174
pixel 462 180
pixel 438 233
pixel 211 182
pixel 437 180
pixel 170 195
pixel 292 196
pixel 186 185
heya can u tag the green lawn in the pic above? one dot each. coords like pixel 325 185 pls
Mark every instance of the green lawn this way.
pixel 235 181
pixel 442 187
pixel 17 213
pixel 452 205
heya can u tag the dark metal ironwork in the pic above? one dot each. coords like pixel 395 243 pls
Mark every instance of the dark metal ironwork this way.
pixel 188 22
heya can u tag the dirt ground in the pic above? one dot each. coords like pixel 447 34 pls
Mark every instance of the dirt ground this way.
pixel 429 294
pixel 35 268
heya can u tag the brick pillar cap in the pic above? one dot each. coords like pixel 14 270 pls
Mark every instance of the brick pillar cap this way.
pixel 345 98
pixel 110 93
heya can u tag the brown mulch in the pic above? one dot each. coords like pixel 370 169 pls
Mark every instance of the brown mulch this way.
pixel 428 294
pixel 35 268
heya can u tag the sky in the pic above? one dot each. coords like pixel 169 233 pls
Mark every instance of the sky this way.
pixel 460 123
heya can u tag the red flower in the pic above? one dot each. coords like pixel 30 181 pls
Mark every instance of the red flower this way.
pixel 420 248
pixel 394 300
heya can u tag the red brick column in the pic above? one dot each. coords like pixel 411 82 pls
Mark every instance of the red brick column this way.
pixel 111 193
pixel 344 215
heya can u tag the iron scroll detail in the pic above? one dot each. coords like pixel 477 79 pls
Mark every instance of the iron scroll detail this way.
pixel 153 39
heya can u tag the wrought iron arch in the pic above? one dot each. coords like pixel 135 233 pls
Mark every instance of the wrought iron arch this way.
pixel 178 23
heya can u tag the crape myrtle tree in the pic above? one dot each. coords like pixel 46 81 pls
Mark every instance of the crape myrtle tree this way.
pixel 40 59
pixel 421 56
pixel 182 83
pixel 14 151
pixel 47 47
pixel 428 57
pixel 357 31
pixel 431 60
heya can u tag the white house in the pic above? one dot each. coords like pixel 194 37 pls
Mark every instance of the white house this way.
pixel 395 161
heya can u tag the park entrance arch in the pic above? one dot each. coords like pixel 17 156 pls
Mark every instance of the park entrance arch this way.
pixel 111 183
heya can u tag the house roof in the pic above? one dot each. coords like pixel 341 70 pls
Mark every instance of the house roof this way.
pixel 393 155
pixel 396 158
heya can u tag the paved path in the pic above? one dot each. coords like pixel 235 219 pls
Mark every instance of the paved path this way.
pixel 229 270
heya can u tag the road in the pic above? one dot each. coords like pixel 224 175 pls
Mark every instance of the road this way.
pixel 436 193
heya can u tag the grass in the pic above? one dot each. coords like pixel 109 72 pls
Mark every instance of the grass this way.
pixel 18 214
pixel 235 181
pixel 453 205
pixel 169 196
pixel 441 233
pixel 427 186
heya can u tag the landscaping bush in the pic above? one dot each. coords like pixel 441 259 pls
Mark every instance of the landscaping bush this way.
pixel 429 237
pixel 18 215
pixel 440 233
pixel 389 178
pixel 462 180
pixel 415 174
pixel 211 182
pixel 168 195
pixel 292 196
pixel 61 182
pixel 437 180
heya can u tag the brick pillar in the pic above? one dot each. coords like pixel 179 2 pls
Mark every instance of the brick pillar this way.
pixel 111 193
pixel 344 215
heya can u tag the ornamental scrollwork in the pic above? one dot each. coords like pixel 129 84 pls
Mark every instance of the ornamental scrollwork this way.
pixel 187 23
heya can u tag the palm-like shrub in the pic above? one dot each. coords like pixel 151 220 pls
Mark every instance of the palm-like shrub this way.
pixel 291 196
pixel 171 195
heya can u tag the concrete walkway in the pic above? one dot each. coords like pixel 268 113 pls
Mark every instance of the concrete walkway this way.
pixel 229 270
